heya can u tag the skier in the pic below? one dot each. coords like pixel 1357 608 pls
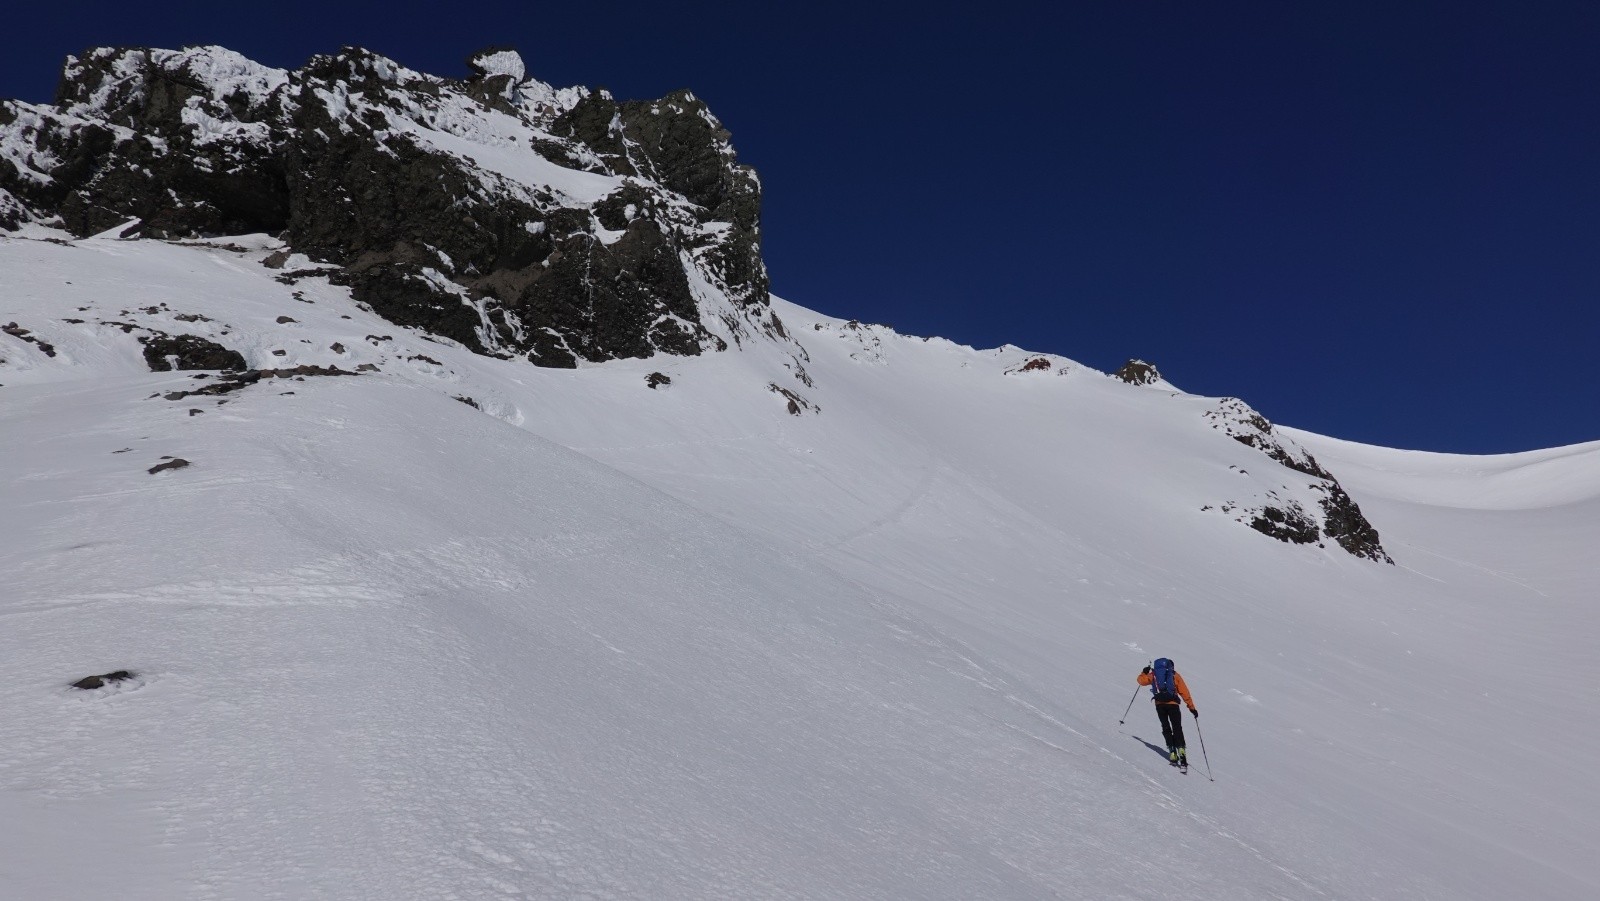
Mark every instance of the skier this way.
pixel 1166 687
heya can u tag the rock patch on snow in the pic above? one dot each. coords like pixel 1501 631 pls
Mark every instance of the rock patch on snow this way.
pixel 1288 520
pixel 1037 364
pixel 796 404
pixel 233 381
pixel 1288 523
pixel 1138 372
pixel 17 331
pixel 90 683
pixel 165 353
pixel 172 463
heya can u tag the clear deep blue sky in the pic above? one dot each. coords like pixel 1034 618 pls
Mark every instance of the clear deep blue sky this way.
pixel 1374 220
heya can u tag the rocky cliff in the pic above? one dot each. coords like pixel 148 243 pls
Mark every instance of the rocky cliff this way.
pixel 519 219
pixel 1309 508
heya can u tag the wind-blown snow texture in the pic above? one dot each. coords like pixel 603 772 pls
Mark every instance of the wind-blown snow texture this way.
pixel 837 613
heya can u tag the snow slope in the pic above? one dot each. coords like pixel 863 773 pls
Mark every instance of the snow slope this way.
pixel 594 639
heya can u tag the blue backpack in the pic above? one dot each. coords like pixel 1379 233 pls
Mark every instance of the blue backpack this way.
pixel 1164 680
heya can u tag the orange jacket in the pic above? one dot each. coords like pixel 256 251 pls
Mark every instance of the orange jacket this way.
pixel 1146 679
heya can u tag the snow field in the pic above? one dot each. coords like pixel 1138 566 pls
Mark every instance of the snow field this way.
pixel 618 642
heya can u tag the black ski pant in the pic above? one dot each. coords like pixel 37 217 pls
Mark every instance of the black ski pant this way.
pixel 1171 724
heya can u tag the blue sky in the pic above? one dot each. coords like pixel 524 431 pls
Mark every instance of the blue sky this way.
pixel 1379 221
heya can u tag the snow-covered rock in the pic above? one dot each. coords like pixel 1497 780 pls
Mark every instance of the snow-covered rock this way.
pixel 559 225
pixel 1310 505
pixel 500 61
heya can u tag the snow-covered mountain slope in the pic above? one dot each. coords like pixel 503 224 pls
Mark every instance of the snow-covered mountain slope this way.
pixel 585 637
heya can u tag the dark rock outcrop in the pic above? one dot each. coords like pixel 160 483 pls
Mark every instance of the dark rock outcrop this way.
pixel 90 683
pixel 233 381
pixel 1344 522
pixel 1340 517
pixel 163 353
pixel 1036 364
pixel 517 219
pixel 17 331
pixel 1138 372
pixel 1288 523
pixel 1238 421
pixel 795 403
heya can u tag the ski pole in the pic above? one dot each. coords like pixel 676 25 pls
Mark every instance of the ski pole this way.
pixel 1203 755
pixel 1130 704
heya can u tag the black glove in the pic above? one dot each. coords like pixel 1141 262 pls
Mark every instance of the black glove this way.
pixel 1195 712
pixel 1145 671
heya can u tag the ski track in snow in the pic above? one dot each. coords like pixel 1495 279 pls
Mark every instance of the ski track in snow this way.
pixel 1508 577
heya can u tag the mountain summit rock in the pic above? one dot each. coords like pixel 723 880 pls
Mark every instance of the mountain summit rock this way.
pixel 561 225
